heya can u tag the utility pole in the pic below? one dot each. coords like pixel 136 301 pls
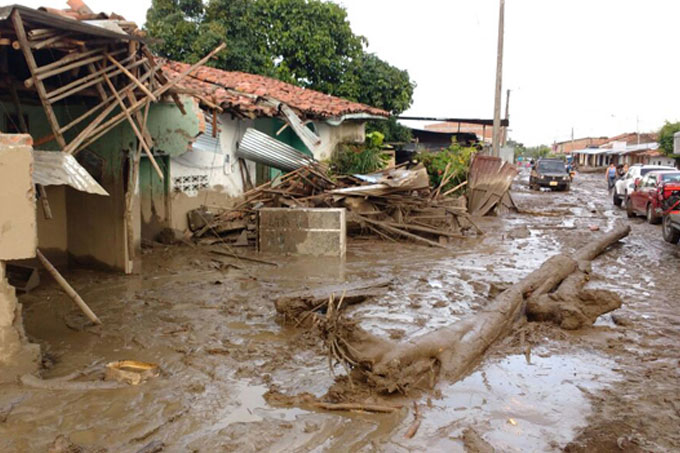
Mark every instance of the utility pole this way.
pixel 499 83
pixel 507 117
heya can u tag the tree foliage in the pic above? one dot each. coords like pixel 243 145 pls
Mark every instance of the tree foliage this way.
pixel 305 42
pixel 666 137
pixel 456 157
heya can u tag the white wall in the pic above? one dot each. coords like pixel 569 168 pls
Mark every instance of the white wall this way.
pixel 216 171
pixel 332 136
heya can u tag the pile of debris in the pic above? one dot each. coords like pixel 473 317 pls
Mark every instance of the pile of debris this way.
pixel 397 203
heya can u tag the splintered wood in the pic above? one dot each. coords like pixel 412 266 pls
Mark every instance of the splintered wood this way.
pixel 106 68
pixel 396 205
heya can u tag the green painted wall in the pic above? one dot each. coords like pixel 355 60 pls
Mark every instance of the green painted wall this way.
pixel 171 131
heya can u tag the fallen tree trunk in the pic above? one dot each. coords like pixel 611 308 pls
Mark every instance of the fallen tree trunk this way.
pixel 292 305
pixel 452 350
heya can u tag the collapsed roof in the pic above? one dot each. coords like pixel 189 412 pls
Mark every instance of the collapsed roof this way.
pixel 251 95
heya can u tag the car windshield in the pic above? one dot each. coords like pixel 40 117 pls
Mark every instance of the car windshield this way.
pixel 552 166
pixel 671 177
pixel 644 171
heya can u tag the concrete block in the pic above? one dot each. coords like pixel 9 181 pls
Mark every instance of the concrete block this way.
pixel 303 231
pixel 18 230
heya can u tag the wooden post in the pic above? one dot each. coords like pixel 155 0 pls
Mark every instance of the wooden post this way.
pixel 68 289
pixel 32 66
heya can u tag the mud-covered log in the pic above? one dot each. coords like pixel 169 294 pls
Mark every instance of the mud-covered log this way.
pixel 457 348
pixel 570 306
pixel 292 305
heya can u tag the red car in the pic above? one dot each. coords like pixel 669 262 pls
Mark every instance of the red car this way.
pixel 650 192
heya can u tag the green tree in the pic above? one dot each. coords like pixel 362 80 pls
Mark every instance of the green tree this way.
pixel 666 137
pixel 305 42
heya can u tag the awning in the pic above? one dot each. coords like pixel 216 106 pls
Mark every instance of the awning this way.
pixel 54 168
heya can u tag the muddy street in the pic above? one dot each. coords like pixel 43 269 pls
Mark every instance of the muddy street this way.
pixel 210 325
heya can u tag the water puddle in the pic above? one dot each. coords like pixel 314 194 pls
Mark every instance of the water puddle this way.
pixel 518 406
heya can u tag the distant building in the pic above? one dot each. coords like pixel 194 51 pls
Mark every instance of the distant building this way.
pixel 484 133
pixel 568 146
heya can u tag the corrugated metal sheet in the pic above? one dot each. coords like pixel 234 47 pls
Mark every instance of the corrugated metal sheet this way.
pixel 54 168
pixel 489 179
pixel 260 147
pixel 205 141
pixel 309 138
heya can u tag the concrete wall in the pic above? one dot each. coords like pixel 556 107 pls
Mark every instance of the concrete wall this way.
pixel 90 227
pixel 18 239
pixel 18 230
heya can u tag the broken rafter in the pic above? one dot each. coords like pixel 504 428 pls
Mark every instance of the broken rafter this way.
pixel 134 127
pixel 61 69
pixel 131 76
pixel 98 130
pixel 32 66
pixel 87 81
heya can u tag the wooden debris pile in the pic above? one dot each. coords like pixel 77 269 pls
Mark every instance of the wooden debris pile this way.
pixel 395 204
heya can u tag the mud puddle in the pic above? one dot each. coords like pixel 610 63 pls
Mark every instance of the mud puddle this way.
pixel 516 405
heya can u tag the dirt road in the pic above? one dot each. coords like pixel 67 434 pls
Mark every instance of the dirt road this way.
pixel 212 329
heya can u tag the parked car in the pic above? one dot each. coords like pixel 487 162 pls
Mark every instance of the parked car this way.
pixel 650 193
pixel 551 173
pixel 625 185
pixel 671 218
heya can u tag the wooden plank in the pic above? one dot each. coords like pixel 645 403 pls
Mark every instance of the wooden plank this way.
pixel 76 64
pixel 46 42
pixel 84 82
pixel 161 77
pixel 136 130
pixel 95 129
pixel 100 130
pixel 131 76
pixel 69 58
pixel 40 88
pixel 68 289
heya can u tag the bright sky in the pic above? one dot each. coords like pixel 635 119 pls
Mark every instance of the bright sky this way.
pixel 601 67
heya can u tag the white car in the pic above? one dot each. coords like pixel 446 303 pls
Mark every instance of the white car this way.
pixel 626 184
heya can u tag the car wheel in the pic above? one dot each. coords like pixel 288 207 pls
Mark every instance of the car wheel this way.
pixel 629 208
pixel 670 234
pixel 651 217
pixel 616 200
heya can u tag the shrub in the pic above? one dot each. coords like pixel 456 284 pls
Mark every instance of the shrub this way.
pixel 456 155
pixel 351 159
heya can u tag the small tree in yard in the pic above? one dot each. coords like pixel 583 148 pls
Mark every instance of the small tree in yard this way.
pixel 666 137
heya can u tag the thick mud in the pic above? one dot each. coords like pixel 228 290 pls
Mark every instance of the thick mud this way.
pixel 213 330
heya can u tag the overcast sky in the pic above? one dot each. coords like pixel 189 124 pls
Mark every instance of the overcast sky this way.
pixel 600 67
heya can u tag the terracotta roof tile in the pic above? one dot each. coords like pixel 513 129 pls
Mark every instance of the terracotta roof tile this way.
pixel 219 86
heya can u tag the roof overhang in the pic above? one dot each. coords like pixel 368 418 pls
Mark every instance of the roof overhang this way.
pixel 72 25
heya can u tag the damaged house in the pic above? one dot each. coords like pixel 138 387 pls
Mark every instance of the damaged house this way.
pixel 116 145
pixel 242 114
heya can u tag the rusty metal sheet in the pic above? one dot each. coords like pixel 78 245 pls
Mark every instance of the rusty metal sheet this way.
pixel 489 179
pixel 54 168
